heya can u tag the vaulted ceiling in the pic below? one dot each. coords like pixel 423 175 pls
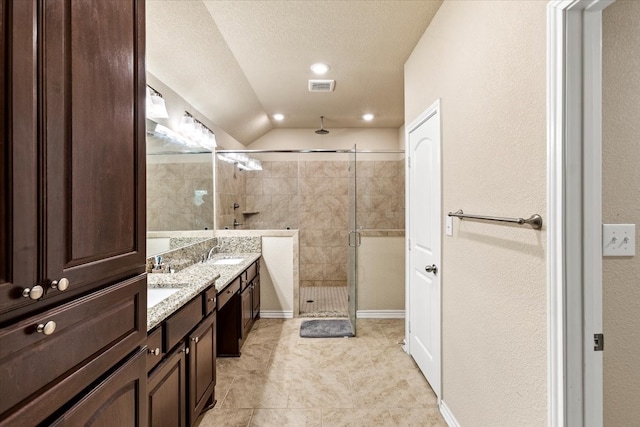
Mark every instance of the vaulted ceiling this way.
pixel 240 62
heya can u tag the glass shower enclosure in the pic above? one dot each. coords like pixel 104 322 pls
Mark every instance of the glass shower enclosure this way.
pixel 330 197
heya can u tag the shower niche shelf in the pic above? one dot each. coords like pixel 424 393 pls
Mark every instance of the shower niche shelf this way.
pixel 250 212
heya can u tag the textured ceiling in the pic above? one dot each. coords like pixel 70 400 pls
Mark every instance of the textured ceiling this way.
pixel 240 62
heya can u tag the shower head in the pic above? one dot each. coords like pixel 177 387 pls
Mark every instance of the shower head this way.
pixel 322 130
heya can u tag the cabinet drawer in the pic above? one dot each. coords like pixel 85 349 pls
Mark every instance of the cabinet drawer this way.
pixel 154 345
pixel 209 300
pixel 119 400
pixel 91 335
pixel 181 323
pixel 228 292
pixel 251 272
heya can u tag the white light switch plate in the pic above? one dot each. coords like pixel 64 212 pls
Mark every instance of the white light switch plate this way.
pixel 449 226
pixel 618 239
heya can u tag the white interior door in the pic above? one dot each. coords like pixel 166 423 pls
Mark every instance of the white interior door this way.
pixel 424 244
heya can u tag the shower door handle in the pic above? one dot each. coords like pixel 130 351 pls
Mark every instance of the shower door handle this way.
pixel 355 242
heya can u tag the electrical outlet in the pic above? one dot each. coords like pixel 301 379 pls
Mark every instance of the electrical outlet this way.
pixel 618 239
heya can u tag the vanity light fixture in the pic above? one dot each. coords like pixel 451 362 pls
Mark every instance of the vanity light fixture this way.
pixel 156 107
pixel 320 68
pixel 196 131
pixel 368 117
pixel 279 117
pixel 241 160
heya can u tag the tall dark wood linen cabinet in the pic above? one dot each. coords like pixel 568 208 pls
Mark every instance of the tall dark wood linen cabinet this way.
pixel 72 213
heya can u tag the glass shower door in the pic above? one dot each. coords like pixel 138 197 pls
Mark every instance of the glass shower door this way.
pixel 354 241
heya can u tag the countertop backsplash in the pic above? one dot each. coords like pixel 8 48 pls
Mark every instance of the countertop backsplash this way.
pixel 239 244
pixel 181 258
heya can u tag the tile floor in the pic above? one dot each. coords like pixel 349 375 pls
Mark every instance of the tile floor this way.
pixel 326 301
pixel 284 380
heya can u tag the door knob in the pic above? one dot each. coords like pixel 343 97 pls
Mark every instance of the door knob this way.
pixel 431 269
pixel 61 284
pixel 33 293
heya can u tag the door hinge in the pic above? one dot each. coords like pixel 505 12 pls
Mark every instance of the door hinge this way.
pixel 409 326
pixel 409 243
pixel 409 161
pixel 598 342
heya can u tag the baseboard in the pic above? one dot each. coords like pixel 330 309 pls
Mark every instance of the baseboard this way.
pixel 448 415
pixel 380 314
pixel 276 314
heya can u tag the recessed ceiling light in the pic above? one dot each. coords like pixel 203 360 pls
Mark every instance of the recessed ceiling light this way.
pixel 319 68
pixel 368 117
pixel 278 117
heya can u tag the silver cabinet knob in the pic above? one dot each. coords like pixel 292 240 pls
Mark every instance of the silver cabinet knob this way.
pixel 186 350
pixel 211 299
pixel 431 269
pixel 35 292
pixel 46 328
pixel 195 340
pixel 61 284
pixel 154 352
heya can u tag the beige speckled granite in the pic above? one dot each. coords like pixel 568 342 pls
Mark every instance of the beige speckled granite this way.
pixel 183 257
pixel 192 281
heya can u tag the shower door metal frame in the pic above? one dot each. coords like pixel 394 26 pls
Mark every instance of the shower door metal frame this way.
pixel 354 240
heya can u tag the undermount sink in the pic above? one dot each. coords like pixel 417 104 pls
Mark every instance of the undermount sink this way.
pixel 156 295
pixel 228 261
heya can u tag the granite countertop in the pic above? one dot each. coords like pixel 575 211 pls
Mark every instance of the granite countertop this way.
pixel 193 280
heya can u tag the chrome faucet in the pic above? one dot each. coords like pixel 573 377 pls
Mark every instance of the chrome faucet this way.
pixel 212 251
pixel 236 223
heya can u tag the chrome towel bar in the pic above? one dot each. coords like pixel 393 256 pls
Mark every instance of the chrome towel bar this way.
pixel 535 221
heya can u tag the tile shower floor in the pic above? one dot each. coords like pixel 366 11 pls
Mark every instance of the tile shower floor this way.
pixel 284 380
pixel 324 301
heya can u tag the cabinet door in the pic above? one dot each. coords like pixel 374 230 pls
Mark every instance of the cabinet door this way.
pixel 93 80
pixel 202 367
pixel 247 314
pixel 167 391
pixel 256 297
pixel 18 154
pixel 116 401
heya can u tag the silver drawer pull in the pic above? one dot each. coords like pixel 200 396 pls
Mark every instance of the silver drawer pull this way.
pixel 154 352
pixel 46 328
pixel 61 285
pixel 35 292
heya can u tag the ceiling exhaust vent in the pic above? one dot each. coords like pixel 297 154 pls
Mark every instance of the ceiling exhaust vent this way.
pixel 322 85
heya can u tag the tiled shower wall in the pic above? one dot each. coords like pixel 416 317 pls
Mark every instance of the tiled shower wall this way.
pixel 230 189
pixel 313 197
pixel 179 196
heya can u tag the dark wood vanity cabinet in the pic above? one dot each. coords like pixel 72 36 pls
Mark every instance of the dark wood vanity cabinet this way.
pixel 237 314
pixel 72 212
pixel 182 384
pixel 72 154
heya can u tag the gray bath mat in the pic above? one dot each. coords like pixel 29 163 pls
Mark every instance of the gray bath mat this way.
pixel 326 328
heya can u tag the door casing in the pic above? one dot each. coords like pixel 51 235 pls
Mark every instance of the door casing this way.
pixel 574 206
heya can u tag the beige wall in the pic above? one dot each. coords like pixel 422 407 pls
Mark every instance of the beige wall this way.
pixel 277 275
pixel 381 273
pixel 486 61
pixel 621 205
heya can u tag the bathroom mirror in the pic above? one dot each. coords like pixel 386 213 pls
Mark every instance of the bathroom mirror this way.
pixel 179 192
